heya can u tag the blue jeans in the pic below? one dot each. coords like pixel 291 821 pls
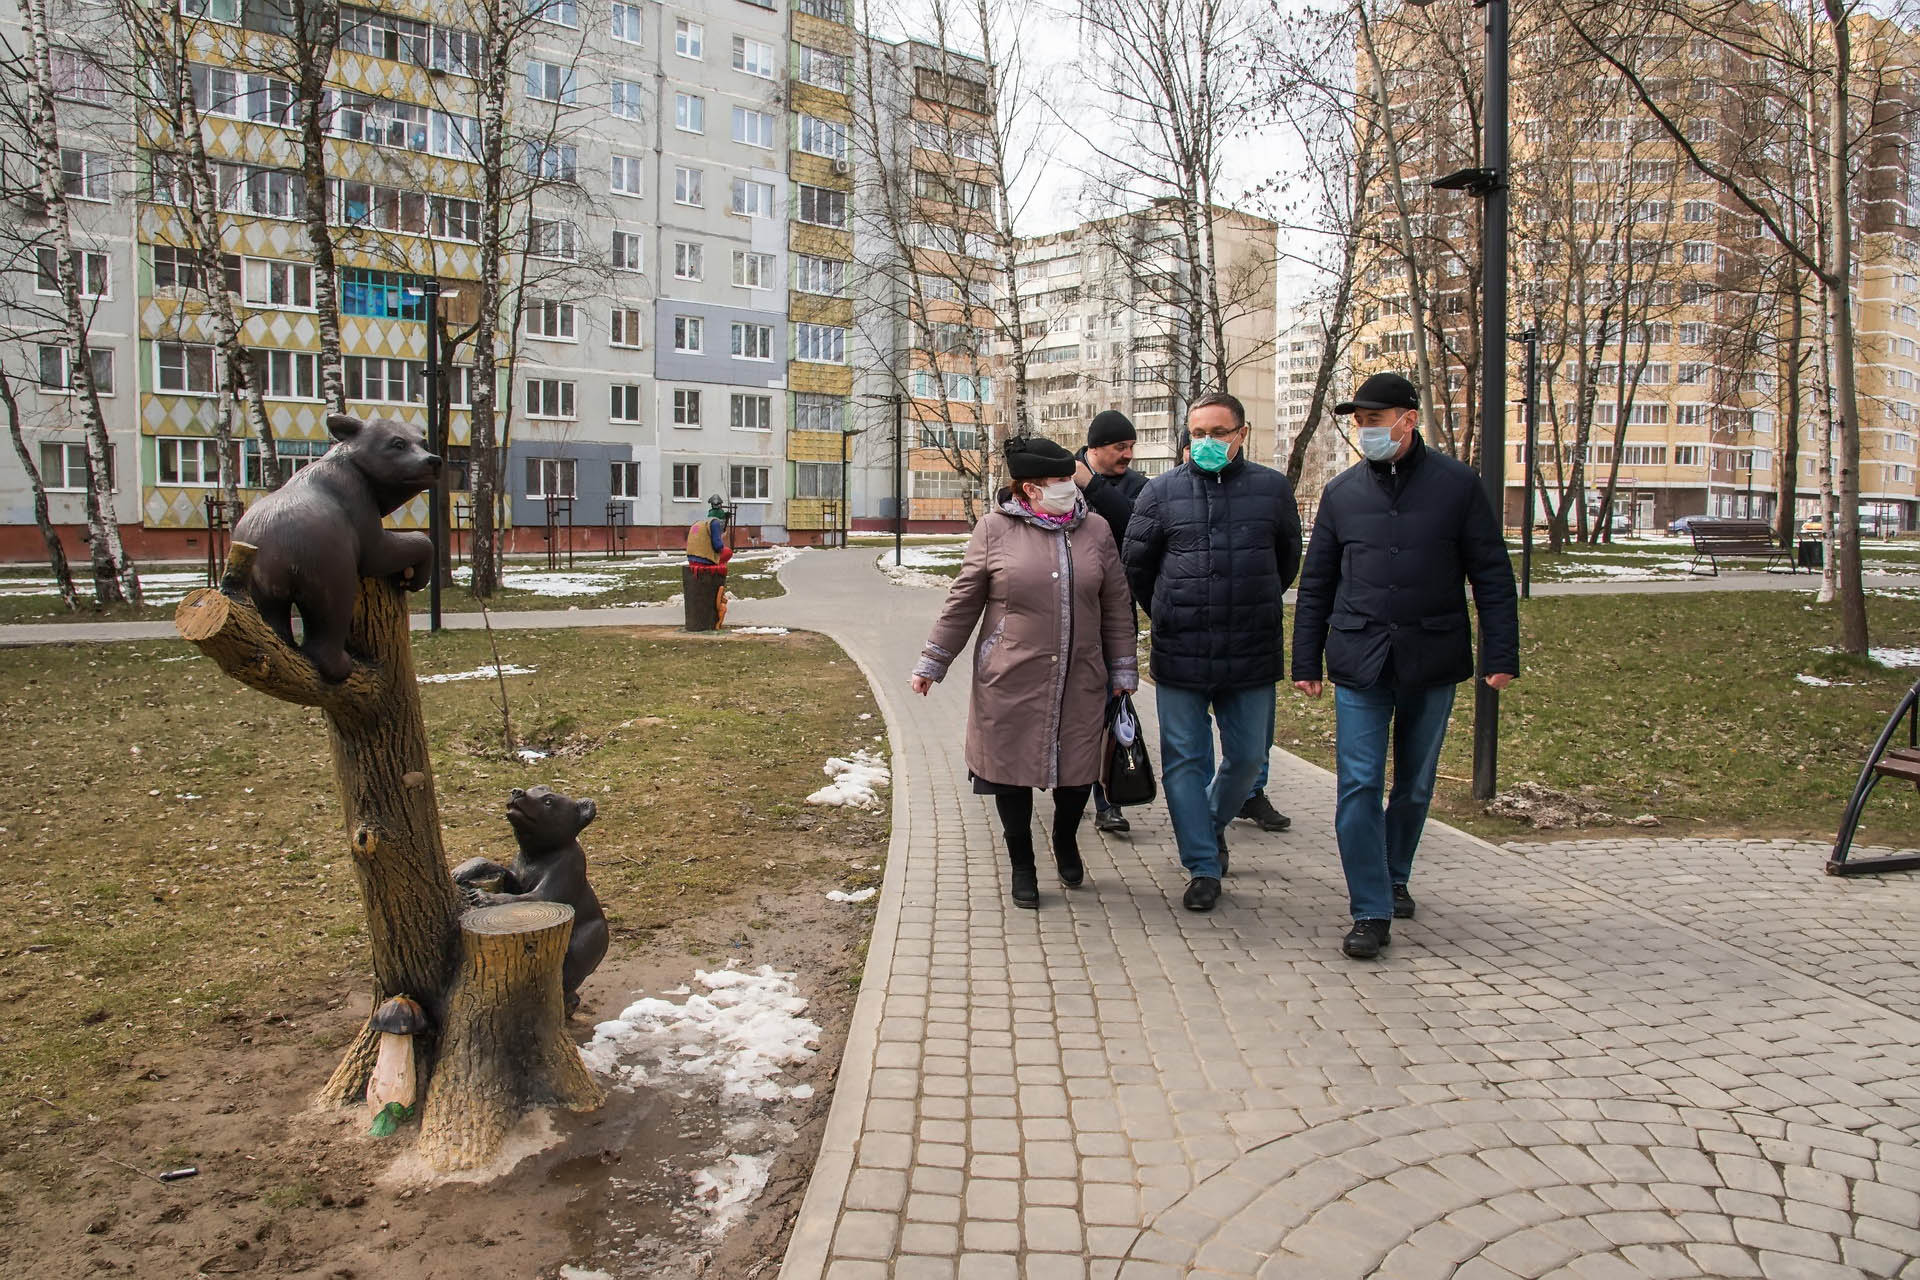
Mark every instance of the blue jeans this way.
pixel 1376 845
pixel 1200 801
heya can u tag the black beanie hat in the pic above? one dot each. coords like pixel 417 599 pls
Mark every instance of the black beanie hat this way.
pixel 1109 426
pixel 1037 458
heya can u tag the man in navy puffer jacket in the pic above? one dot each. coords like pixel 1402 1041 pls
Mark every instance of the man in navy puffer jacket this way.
pixel 1210 551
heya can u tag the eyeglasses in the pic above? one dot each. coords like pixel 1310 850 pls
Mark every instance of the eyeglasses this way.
pixel 1215 435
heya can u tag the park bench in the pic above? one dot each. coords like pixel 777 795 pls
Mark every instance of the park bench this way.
pixel 1734 539
pixel 1886 760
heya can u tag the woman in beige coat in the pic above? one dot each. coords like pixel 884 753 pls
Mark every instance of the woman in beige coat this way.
pixel 1047 590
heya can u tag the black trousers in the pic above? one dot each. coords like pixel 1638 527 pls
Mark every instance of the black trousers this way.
pixel 1016 819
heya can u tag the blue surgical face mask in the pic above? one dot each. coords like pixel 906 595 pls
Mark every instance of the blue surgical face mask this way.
pixel 1210 454
pixel 1377 443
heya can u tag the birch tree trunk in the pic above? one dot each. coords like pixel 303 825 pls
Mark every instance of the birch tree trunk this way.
pixel 42 516
pixel 1852 595
pixel 114 578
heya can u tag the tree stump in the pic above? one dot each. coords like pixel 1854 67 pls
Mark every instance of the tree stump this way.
pixel 700 595
pixel 504 1046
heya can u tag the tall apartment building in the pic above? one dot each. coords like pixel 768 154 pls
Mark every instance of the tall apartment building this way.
pixel 1652 288
pixel 1297 356
pixel 681 263
pixel 1102 332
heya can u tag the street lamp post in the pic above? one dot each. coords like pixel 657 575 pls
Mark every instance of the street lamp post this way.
pixel 899 403
pixel 1489 183
pixel 436 445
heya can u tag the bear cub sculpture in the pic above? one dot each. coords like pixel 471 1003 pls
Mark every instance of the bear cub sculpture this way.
pixel 317 535
pixel 551 867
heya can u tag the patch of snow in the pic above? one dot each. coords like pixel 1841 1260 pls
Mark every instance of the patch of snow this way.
pixel 530 754
pixel 562 584
pixel 927 557
pixel 479 673
pixel 155 588
pixel 759 631
pixel 858 895
pixel 577 1273
pixel 853 782
pixel 726 1189
pixel 1889 657
pixel 800 1091
pixel 1815 681
pixel 740 1036
pixel 902 576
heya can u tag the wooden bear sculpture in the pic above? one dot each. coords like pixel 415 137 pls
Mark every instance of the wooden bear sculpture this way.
pixel 320 533
pixel 551 867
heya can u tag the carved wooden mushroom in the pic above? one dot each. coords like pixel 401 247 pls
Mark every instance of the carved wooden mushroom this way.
pixel 394 1078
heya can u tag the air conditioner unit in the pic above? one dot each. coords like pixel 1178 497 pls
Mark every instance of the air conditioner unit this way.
pixel 843 167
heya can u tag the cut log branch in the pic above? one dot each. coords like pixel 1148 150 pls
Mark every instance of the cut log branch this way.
pixel 504 1047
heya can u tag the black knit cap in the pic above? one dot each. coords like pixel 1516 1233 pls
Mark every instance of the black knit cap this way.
pixel 1382 391
pixel 1109 426
pixel 1037 458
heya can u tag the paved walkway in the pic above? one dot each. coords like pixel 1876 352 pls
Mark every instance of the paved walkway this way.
pixel 1594 1060
pixel 1581 1061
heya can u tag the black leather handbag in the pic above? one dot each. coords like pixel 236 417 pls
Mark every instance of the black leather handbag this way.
pixel 1128 774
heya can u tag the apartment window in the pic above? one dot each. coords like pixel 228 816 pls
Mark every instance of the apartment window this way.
pixel 289 286
pixel 752 199
pixel 184 368
pixel 551 82
pixel 550 477
pixel 754 128
pixel 177 269
pixel 78 78
pixel 753 57
pixel 818 67
pixel 188 460
pixel 1691 375
pixel 820 275
pixel 63 466
pixel 752 413
pixel 1655 375
pixel 1700 211
pixel 831 10
pixel 54 369
pixel 550 239
pixel 1690 415
pixel 689 261
pixel 626 100
pixel 624 480
pixel 686 408
pixel 1693 334
pixel 561 13
pixel 288 375
pixel 820 343
pixel 554 161
pixel 625 402
pixel 90 269
pixel 748 484
pixel 939 484
pixel 84 175
pixel 687 187
pixel 819 413
pixel 689 334
pixel 752 341
pixel 455 219
pixel 823 207
pixel 689 38
pixel 627 26
pixel 212 10
pixel 626 177
pixel 1689 455
pixel 553 321
pixel 690 112
pixel 823 138
pixel 549 398
pixel 686 480
pixel 624 328
pixel 816 479
pixel 628 251
pixel 752 270
pixel 385 380
pixel 382 295
pixel 1697 251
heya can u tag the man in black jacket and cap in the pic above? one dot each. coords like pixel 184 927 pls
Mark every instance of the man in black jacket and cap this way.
pixel 1210 551
pixel 1383 600
pixel 1110 486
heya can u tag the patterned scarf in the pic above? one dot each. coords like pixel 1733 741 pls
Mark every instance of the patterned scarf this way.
pixel 1046 518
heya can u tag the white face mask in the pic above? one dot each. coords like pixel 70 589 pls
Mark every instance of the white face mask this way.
pixel 1057 499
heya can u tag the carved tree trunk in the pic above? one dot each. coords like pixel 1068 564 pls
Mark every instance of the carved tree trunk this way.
pixel 505 1047
pixel 385 777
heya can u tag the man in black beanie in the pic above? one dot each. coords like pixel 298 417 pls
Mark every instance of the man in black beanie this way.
pixel 1110 486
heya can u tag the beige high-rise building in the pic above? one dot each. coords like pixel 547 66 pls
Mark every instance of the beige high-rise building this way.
pixel 1297 358
pixel 1657 296
pixel 1102 328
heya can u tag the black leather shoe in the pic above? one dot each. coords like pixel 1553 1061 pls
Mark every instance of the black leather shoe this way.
pixel 1368 938
pixel 1066 860
pixel 1403 903
pixel 1111 819
pixel 1026 885
pixel 1202 893
pixel 1260 811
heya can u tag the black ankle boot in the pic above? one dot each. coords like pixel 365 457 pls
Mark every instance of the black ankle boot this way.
pixel 1026 880
pixel 1066 859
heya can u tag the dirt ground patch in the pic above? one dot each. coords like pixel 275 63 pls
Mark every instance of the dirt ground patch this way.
pixel 186 958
